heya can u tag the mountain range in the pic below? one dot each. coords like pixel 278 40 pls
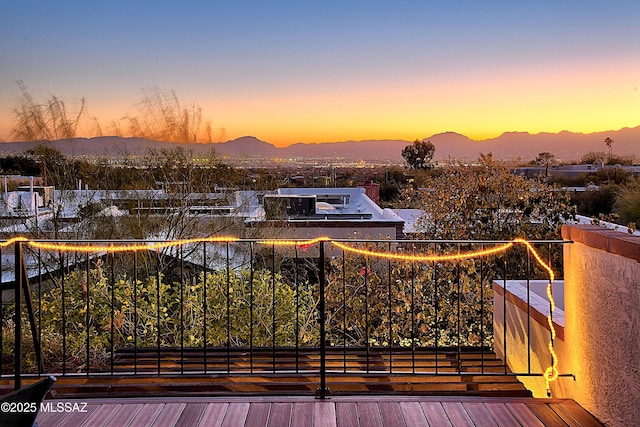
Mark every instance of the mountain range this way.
pixel 566 146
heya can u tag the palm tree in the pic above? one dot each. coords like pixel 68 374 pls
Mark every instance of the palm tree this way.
pixel 609 143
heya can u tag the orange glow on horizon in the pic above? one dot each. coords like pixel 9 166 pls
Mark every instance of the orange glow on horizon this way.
pixel 481 105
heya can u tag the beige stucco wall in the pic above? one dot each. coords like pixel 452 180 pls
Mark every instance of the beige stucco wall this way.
pixel 602 330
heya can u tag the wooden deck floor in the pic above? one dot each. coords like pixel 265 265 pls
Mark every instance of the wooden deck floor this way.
pixel 365 411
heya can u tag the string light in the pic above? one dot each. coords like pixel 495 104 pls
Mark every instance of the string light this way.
pixel 135 247
pixel 303 243
pixel 425 258
pixel 550 374
pixel 13 241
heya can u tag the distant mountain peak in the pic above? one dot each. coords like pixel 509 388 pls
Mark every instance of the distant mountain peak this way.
pixel 248 139
pixel 449 133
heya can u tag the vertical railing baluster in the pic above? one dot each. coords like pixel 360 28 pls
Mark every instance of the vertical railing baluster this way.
pixel 228 281
pixel 2 313
pixel 158 334
pixel 64 313
pixel 504 310
pixel 528 312
pixel 551 332
pixel 19 259
pixel 297 326
pixel 413 311
pixel 482 311
pixel 87 311
pixel 112 283
pixel 389 310
pixel 273 308
pixel 181 252
pixel 28 300
pixel 321 393
pixel 251 276
pixel 40 365
pixel 436 306
pixel 135 312
pixel 204 303
pixel 366 312
pixel 459 294
pixel 344 314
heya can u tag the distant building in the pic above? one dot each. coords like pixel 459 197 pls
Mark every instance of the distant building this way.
pixel 573 171
pixel 334 212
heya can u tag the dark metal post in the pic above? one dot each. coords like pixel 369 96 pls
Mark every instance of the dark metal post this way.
pixel 323 390
pixel 18 317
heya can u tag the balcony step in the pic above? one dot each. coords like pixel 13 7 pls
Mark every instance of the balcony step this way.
pixel 145 386
pixel 182 373
pixel 266 360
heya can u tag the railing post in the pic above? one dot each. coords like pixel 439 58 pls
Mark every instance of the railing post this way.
pixel 18 316
pixel 323 390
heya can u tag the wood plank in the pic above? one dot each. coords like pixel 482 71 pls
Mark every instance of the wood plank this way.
pixel 566 416
pixel 258 414
pixel 369 414
pixel 102 415
pixel 280 415
pixel 213 415
pixel 236 414
pixel 501 414
pixel 148 414
pixel 479 414
pixel 576 412
pixel 524 415
pixel 324 414
pixel 413 414
pixel 191 415
pixel 347 414
pixel 547 415
pixel 169 414
pixel 76 418
pixel 435 414
pixel 302 414
pixel 125 415
pixel 49 418
pixel 391 414
pixel 457 414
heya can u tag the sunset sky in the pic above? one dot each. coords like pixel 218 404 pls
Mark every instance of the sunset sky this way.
pixel 323 71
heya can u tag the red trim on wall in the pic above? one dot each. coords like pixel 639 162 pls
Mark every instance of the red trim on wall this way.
pixel 615 242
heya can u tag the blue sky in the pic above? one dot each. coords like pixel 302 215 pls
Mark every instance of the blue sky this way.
pixel 315 71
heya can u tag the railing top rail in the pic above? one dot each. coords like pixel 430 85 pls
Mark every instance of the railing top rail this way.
pixel 296 240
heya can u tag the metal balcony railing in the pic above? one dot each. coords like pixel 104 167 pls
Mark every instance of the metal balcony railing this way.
pixel 240 306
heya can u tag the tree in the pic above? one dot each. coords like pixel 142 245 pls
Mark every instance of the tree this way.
pixel 46 121
pixel 52 164
pixel 418 155
pixel 609 143
pixel 545 159
pixel 593 157
pixel 161 116
pixel 489 202
pixel 627 204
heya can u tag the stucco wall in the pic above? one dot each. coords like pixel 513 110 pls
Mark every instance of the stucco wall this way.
pixel 602 322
